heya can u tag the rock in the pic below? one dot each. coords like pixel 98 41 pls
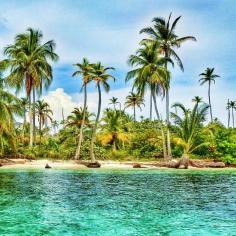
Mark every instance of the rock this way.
pixel 137 165
pixel 48 166
pixel 93 165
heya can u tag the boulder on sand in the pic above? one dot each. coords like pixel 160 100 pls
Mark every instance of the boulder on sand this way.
pixel 93 165
pixel 48 166
pixel 137 165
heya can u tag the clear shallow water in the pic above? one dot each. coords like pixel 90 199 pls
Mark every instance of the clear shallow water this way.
pixel 134 202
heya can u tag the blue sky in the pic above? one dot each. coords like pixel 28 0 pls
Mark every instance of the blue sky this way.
pixel 108 31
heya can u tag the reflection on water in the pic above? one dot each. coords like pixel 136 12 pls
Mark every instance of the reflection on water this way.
pixel 134 202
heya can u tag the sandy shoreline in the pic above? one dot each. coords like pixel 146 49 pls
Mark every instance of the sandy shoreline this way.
pixel 71 164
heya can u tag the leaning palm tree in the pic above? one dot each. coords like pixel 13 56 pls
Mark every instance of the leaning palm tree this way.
pixel 114 101
pixel 28 60
pixel 100 76
pixel 163 33
pixel 134 100
pixel 84 70
pixel 208 77
pixel 187 129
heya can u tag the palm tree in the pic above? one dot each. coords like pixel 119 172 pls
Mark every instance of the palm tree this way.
pixel 187 128
pixel 43 112
pixel 113 129
pixel 197 99
pixel 84 70
pixel 77 118
pixel 163 33
pixel 100 77
pixel 208 77
pixel 28 60
pixel 149 72
pixel 232 105
pixel 114 101
pixel 134 100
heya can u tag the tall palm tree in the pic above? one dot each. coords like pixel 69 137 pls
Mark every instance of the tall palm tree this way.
pixel 100 77
pixel 187 128
pixel 28 60
pixel 208 77
pixel 149 73
pixel 84 70
pixel 43 112
pixel 134 100
pixel 114 101
pixel 163 33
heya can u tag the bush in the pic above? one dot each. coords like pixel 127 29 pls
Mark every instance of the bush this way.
pixel 228 159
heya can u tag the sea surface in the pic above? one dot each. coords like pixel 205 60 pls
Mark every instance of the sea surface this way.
pixel 117 202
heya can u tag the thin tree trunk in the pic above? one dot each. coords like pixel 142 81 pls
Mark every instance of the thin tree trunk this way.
pixel 228 114
pixel 31 122
pixel 134 114
pixel 63 117
pixel 40 129
pixel 209 98
pixel 233 116
pixel 168 124
pixel 92 156
pixel 168 117
pixel 77 154
pixel 150 105
pixel 34 130
pixel 162 130
pixel 24 123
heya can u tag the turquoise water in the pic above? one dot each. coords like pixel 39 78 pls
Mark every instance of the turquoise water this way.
pixel 134 202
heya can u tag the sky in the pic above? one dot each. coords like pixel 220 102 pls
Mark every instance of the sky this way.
pixel 108 31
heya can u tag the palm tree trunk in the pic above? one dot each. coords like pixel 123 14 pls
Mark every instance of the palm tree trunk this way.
pixel 150 105
pixel 77 154
pixel 40 129
pixel 168 117
pixel 31 122
pixel 209 99
pixel 134 114
pixel 24 123
pixel 162 130
pixel 233 116
pixel 228 114
pixel 92 156
pixel 34 130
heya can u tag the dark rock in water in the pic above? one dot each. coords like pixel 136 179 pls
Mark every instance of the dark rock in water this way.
pixel 93 165
pixel 48 166
pixel 0 164
pixel 137 165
